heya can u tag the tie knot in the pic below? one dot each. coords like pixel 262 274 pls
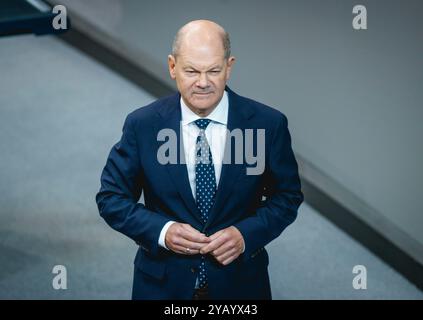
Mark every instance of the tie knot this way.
pixel 202 123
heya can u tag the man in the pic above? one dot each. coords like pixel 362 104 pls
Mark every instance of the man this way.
pixel 205 222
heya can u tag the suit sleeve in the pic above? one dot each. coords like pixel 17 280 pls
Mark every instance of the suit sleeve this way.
pixel 283 199
pixel 121 187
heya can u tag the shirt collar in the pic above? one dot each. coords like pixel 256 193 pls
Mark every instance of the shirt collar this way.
pixel 219 114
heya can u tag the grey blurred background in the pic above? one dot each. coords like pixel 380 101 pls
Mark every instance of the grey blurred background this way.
pixel 354 104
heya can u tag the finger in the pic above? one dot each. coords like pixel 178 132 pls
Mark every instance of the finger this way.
pixel 216 235
pixel 189 244
pixel 226 255
pixel 190 228
pixel 183 250
pixel 229 260
pixel 194 235
pixel 213 245
pixel 230 243
pixel 223 248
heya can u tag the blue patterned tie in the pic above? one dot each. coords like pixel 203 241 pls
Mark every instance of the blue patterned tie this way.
pixel 205 182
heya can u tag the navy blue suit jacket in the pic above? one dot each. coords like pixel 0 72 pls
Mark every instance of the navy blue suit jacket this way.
pixel 260 206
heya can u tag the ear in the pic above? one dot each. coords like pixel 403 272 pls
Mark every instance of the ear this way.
pixel 230 63
pixel 171 61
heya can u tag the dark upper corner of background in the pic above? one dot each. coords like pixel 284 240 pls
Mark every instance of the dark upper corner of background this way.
pixel 28 17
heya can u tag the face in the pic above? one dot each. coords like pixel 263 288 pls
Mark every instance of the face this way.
pixel 201 72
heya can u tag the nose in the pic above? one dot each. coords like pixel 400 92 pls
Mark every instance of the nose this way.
pixel 203 82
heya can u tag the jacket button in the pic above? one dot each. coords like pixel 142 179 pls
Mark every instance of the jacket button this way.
pixel 193 270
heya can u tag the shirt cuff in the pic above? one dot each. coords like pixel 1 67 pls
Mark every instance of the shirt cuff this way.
pixel 162 236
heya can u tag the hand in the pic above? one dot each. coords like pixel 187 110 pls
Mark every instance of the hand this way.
pixel 184 239
pixel 226 245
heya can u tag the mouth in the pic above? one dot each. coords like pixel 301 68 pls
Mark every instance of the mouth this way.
pixel 202 93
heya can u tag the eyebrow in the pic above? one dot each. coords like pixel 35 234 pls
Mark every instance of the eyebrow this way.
pixel 189 65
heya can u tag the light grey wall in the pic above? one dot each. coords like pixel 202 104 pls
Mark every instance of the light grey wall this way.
pixel 353 98
pixel 60 114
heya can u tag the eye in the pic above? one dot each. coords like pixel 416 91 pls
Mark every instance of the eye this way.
pixel 190 72
pixel 214 72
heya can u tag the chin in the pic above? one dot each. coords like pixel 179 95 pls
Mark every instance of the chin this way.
pixel 203 104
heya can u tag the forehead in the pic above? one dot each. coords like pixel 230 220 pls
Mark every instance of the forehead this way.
pixel 200 58
pixel 201 50
pixel 200 64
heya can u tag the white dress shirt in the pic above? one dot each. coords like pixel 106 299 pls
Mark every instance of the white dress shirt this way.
pixel 216 137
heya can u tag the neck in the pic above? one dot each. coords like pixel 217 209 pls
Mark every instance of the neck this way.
pixel 201 112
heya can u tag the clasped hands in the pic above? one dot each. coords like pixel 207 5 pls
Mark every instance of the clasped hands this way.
pixel 225 245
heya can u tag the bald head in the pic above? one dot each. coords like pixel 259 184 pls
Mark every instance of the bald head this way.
pixel 201 33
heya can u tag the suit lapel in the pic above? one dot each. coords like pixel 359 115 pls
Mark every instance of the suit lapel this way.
pixel 238 116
